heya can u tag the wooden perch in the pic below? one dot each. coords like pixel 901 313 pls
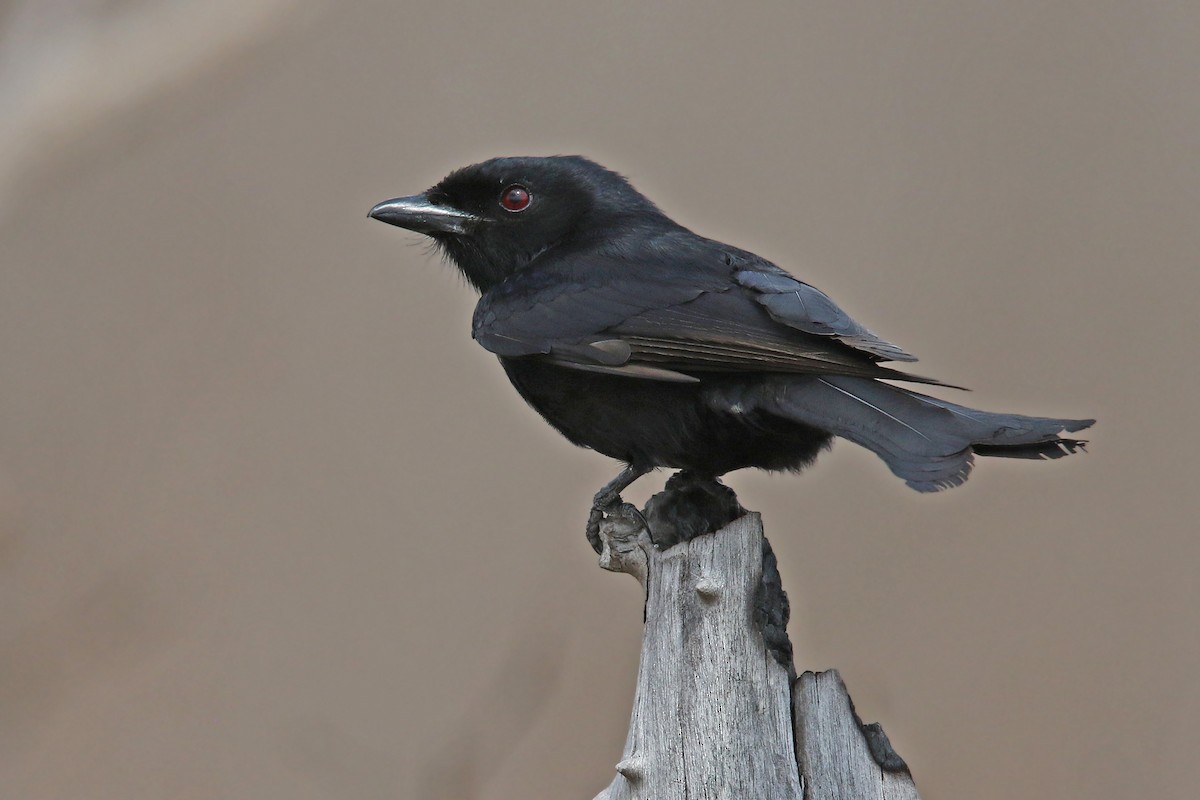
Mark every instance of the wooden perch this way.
pixel 717 712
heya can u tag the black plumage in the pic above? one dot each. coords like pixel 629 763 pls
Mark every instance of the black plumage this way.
pixel 641 340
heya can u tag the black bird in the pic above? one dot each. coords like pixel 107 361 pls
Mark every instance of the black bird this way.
pixel 641 340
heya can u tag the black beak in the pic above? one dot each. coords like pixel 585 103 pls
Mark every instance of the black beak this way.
pixel 418 214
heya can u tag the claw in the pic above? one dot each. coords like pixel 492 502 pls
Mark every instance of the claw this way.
pixel 593 529
pixel 606 500
pixel 618 510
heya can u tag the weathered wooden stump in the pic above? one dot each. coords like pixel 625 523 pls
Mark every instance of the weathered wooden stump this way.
pixel 718 711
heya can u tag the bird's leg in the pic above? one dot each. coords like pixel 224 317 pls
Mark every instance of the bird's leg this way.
pixel 606 499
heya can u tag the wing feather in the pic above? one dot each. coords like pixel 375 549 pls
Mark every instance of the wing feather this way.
pixel 808 309
pixel 631 311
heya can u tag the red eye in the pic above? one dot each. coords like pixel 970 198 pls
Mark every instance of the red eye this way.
pixel 515 198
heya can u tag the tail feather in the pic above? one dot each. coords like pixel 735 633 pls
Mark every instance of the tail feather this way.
pixel 928 442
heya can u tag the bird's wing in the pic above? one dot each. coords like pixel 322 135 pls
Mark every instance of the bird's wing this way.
pixel 701 310
pixel 808 309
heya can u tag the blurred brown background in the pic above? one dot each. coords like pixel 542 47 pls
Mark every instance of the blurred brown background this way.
pixel 272 526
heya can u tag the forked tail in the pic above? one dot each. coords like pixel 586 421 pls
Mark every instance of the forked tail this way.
pixel 928 442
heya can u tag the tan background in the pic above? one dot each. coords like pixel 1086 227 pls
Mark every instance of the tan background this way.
pixel 272 526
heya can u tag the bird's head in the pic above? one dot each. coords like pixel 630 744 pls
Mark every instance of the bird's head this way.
pixel 494 218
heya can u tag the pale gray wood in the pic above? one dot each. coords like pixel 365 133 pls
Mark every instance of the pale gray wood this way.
pixel 711 715
pixel 834 751
pixel 713 711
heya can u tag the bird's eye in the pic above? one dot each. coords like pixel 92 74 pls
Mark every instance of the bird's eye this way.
pixel 515 198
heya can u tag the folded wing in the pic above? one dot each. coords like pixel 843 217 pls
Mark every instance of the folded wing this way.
pixel 623 313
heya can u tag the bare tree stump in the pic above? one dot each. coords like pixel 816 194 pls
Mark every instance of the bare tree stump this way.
pixel 717 713
pixel 839 756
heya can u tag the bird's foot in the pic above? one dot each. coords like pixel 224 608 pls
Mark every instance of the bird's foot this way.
pixel 605 505
pixel 595 517
pixel 608 499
